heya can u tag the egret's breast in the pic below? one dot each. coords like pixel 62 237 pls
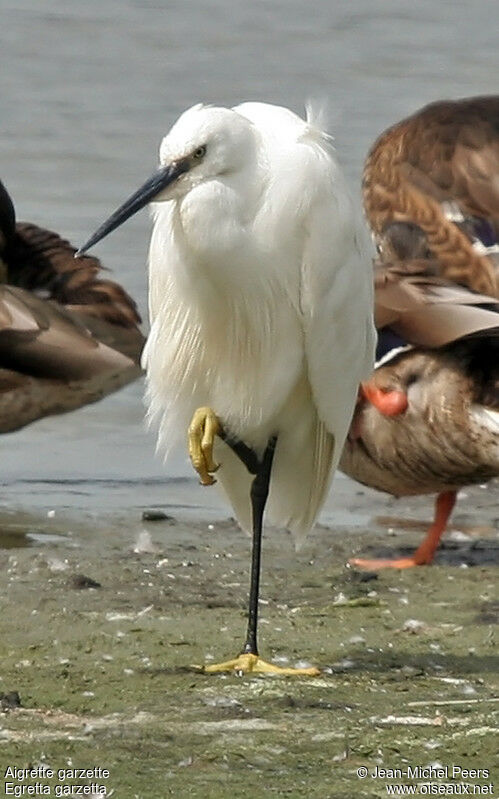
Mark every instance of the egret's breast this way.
pixel 212 221
pixel 226 333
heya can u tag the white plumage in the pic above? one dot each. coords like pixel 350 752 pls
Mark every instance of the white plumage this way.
pixel 260 300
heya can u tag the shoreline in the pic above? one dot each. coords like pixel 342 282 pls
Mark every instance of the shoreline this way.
pixel 103 672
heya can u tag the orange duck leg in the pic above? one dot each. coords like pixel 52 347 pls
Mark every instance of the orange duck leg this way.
pixel 444 504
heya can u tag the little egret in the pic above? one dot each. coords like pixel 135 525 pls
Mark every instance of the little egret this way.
pixel 260 300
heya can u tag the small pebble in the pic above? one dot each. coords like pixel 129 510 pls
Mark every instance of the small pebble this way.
pixel 362 576
pixel 82 581
pixel 10 700
pixel 413 626
pixel 144 544
pixel 458 535
pixel 156 516
pixel 57 565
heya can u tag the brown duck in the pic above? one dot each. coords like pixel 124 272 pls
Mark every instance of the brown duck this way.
pixel 67 337
pixel 428 419
pixel 436 176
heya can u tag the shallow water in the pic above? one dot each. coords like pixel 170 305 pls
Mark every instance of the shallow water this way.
pixel 89 89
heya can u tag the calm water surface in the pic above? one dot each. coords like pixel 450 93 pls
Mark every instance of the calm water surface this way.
pixel 89 89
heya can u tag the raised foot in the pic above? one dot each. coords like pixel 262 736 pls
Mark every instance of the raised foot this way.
pixel 253 664
pixel 368 564
pixel 203 428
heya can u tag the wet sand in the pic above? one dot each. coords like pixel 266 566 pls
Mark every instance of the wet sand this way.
pixel 409 659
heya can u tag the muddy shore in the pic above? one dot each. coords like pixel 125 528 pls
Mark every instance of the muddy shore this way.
pixel 102 615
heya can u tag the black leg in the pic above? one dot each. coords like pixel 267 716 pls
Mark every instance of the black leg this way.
pixel 259 494
pixel 246 455
pixel 248 660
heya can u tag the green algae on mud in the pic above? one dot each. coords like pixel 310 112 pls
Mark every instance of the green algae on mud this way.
pixel 409 658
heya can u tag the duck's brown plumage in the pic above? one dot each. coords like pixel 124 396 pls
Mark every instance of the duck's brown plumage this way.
pixel 67 337
pixel 435 176
pixel 449 435
pixel 427 421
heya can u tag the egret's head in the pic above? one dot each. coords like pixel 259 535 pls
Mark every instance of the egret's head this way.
pixel 205 143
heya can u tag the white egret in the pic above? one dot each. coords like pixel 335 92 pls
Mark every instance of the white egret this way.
pixel 260 297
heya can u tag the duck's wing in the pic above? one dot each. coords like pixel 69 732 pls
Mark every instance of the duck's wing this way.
pixel 41 339
pixel 67 337
pixel 438 345
pixel 41 261
pixel 423 310
pixel 50 362
pixel 438 172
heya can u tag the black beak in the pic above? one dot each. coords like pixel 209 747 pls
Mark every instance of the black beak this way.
pixel 147 192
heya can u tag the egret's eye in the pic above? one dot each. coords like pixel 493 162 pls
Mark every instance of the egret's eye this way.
pixel 199 152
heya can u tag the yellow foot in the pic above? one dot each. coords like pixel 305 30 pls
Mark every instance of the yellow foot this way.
pixel 378 563
pixel 253 664
pixel 203 428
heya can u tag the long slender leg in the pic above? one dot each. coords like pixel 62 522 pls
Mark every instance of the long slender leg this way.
pixel 259 494
pixel 202 430
pixel 249 659
pixel 246 455
pixel 444 504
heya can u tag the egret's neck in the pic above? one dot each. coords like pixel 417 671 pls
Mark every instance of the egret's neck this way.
pixel 202 251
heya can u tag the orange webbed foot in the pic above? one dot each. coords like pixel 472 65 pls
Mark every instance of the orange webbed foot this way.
pixel 375 564
pixel 426 551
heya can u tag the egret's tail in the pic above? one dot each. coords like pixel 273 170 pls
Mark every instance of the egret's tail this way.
pixel 302 471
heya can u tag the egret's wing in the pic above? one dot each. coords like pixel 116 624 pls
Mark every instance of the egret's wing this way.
pixel 336 310
pixel 336 305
